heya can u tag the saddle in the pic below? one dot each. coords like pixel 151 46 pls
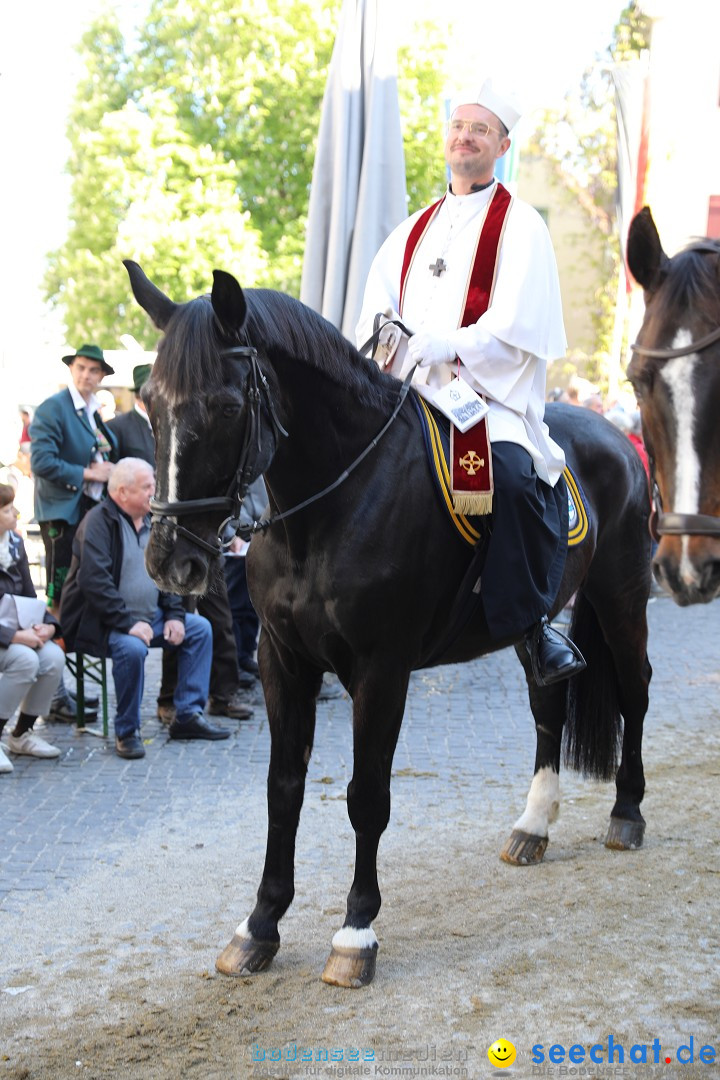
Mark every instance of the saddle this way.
pixel 436 436
pixel 477 531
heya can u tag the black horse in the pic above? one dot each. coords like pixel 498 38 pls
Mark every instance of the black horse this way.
pixel 675 372
pixel 363 581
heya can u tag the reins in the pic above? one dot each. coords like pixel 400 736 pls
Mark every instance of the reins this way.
pixel 368 349
pixel 246 531
pixel 683 350
pixel 259 391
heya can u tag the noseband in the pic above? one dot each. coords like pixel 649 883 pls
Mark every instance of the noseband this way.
pixel 257 390
pixel 673 524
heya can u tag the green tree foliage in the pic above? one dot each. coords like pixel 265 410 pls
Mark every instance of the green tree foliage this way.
pixel 421 65
pixel 176 209
pixel 195 147
pixel 248 77
pixel 201 172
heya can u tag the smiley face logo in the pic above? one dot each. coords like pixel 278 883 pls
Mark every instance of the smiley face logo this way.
pixel 501 1054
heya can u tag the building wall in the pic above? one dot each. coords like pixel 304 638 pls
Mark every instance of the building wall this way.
pixel 579 246
pixel 684 117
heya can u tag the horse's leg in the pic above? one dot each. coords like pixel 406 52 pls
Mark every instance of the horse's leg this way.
pixel 378 706
pixel 290 692
pixel 625 626
pixel 529 837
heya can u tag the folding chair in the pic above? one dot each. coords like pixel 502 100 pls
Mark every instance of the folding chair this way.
pixel 94 668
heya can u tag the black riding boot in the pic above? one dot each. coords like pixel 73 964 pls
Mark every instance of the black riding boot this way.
pixel 553 655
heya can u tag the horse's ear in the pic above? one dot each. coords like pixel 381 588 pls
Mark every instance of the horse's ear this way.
pixel 645 256
pixel 228 301
pixel 158 306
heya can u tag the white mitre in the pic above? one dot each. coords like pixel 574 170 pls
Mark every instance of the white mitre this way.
pixel 503 104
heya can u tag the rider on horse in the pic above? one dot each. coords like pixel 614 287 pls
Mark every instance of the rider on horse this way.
pixel 475 276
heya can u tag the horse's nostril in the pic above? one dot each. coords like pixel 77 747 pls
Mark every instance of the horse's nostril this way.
pixel 189 569
pixel 710 579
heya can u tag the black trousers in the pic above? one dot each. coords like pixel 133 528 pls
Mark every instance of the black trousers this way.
pixel 526 555
pixel 244 619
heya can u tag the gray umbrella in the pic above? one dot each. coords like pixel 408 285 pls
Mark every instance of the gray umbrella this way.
pixel 358 188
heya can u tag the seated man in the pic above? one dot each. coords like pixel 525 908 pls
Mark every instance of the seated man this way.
pixel 111 607
pixel 135 439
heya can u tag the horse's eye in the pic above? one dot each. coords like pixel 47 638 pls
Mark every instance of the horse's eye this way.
pixel 229 411
pixel 641 378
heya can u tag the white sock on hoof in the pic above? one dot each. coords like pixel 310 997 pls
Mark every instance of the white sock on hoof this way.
pixel 243 932
pixel 543 803
pixel 350 938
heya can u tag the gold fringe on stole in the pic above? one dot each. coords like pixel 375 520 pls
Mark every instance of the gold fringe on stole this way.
pixel 472 502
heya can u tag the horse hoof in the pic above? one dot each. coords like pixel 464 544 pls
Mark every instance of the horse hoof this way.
pixel 624 835
pixel 244 956
pixel 522 849
pixel 350 967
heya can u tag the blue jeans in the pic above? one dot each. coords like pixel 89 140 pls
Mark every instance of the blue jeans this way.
pixel 128 658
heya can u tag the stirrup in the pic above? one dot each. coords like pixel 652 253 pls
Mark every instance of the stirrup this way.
pixel 532 643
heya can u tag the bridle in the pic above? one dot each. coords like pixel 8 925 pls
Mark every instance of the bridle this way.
pixel 257 393
pixel 671 523
pixel 682 350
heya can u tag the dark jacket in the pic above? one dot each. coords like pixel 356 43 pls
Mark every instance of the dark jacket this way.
pixel 91 605
pixel 16 580
pixel 63 445
pixel 134 436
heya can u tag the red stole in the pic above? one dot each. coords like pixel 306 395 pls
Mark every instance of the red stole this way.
pixel 471 460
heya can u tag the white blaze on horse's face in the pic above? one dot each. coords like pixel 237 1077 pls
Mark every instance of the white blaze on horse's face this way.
pixel 678 376
pixel 173 454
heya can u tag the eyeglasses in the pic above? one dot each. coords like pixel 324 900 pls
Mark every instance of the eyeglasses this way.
pixel 475 127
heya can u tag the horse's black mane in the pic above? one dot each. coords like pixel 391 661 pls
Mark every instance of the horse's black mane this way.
pixel 692 279
pixel 688 295
pixel 189 355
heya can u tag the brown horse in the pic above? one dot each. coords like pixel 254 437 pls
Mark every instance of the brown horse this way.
pixel 675 372
pixel 358 568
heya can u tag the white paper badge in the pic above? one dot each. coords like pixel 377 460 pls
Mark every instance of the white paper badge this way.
pixel 459 402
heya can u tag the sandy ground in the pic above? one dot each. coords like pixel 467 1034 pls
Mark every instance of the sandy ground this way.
pixel 114 975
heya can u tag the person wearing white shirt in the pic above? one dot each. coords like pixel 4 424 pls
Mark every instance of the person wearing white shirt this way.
pixel 498 343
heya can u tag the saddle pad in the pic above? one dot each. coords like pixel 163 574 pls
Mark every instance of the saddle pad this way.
pixel 437 442
pixel 578 514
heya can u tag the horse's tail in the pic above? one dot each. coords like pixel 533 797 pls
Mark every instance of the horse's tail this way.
pixel 593 727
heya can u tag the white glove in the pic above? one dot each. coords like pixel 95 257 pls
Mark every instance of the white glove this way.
pixel 388 341
pixel 427 349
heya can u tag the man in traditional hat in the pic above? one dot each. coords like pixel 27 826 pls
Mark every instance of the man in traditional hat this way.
pixel 132 429
pixel 475 280
pixel 72 454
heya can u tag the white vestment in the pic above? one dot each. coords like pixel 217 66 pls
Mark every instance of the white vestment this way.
pixel 503 355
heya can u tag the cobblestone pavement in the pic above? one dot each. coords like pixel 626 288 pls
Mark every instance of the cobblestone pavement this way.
pixel 467 735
